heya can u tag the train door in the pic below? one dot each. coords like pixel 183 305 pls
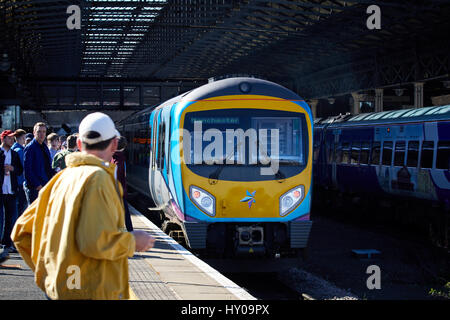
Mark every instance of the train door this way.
pixel 439 172
pixel 402 179
pixel 170 179
pixel 317 143
pixel 426 186
pixel 330 159
pixel 160 172
pixel 385 173
pixel 412 161
pixel 153 156
pixel 337 157
pixel 355 166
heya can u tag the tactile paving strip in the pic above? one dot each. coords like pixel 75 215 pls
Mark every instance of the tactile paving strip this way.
pixel 145 282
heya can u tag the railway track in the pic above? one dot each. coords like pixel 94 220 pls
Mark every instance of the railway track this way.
pixel 266 286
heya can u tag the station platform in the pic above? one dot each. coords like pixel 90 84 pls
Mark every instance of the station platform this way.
pixel 170 272
pixel 166 272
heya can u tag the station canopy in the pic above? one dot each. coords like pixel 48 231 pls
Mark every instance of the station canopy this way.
pixel 313 46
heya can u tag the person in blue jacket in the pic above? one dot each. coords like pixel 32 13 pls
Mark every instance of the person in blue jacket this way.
pixel 37 163
pixel 18 147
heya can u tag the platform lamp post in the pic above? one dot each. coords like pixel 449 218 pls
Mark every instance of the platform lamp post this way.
pixel 356 100
pixel 418 94
pixel 379 100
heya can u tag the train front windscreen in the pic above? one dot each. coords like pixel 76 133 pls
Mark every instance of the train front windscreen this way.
pixel 245 144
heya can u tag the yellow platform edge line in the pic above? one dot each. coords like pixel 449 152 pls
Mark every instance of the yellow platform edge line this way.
pixel 133 296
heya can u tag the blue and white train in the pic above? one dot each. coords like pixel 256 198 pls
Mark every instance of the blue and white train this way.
pixel 226 206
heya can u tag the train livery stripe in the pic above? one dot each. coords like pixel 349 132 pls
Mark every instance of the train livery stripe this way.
pixel 241 99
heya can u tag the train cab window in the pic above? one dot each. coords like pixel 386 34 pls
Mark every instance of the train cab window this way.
pixel 356 148
pixel 443 155
pixel 376 150
pixel 427 154
pixel 399 155
pixel 413 154
pixel 282 135
pixel 365 150
pixel 345 153
pixel 387 153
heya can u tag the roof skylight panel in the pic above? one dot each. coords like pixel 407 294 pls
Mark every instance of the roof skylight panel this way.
pixel 443 110
pixel 420 111
pixel 100 42
pixel 112 8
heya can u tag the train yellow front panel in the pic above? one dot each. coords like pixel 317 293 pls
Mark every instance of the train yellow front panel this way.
pixel 247 199
pixel 231 196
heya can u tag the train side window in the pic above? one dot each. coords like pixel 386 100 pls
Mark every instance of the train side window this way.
pixel 387 153
pixel 316 152
pixel 365 150
pixel 161 151
pixel 376 150
pixel 158 151
pixel 331 152
pixel 443 155
pixel 356 149
pixel 399 155
pixel 413 154
pixel 345 152
pixel 427 154
pixel 155 141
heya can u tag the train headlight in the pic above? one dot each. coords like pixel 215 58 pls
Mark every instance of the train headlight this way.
pixel 291 199
pixel 204 200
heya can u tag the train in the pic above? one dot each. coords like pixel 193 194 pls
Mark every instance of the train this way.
pixel 398 157
pixel 228 166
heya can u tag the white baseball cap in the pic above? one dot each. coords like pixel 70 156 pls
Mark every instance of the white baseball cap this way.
pixel 97 127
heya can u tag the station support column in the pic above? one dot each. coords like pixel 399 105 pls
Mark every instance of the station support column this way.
pixel 379 96
pixel 418 95
pixel 313 104
pixel 357 98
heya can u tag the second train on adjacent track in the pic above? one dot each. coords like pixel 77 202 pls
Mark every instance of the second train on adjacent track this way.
pixel 400 158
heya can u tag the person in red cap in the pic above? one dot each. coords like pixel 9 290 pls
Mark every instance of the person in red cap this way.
pixel 11 167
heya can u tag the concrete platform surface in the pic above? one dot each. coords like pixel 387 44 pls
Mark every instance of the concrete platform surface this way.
pixel 167 272
pixel 175 273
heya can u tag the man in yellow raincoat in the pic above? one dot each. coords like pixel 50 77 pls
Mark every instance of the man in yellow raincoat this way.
pixel 73 235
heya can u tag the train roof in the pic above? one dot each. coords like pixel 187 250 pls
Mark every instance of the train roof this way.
pixel 393 116
pixel 230 86
pixel 240 86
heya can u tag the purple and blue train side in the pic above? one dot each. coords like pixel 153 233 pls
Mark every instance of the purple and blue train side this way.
pixel 401 155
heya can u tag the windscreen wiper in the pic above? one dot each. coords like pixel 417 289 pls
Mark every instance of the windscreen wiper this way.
pixel 280 175
pixel 289 162
pixel 215 175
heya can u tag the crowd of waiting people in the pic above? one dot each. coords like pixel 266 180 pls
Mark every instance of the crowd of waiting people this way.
pixel 30 160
